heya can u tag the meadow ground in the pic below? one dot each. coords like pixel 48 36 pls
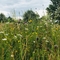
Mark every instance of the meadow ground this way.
pixel 30 41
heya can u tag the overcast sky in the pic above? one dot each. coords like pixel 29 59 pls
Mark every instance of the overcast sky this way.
pixel 20 6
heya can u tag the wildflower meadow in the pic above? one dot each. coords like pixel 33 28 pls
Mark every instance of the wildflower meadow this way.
pixel 30 41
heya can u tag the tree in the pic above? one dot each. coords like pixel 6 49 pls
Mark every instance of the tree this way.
pixel 57 14
pixel 2 18
pixel 9 19
pixel 30 15
pixel 53 7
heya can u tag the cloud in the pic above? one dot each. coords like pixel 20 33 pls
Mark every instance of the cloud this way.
pixel 5 13
pixel 41 12
pixel 22 5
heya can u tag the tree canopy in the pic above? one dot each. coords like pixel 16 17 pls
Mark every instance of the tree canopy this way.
pixel 30 15
pixel 53 8
pixel 2 17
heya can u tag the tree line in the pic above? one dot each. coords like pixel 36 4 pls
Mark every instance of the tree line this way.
pixel 28 15
pixel 3 18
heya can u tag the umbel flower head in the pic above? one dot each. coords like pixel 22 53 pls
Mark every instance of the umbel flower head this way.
pixel 4 39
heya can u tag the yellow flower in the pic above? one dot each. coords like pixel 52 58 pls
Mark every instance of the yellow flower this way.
pixel 18 41
pixel 30 21
pixel 56 28
pixel 31 58
pixel 37 27
pixel 32 33
pixel 36 33
pixel 16 51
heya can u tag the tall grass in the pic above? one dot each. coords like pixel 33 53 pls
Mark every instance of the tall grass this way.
pixel 30 41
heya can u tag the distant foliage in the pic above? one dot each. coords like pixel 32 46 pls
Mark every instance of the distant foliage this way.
pixel 10 19
pixel 53 9
pixel 3 18
pixel 30 15
pixel 57 14
pixel 30 41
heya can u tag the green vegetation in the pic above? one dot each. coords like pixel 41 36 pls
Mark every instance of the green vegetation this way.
pixel 30 15
pixel 32 38
pixel 54 10
pixel 3 18
pixel 30 41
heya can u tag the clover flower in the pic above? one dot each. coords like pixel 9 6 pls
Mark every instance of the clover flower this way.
pixel 12 55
